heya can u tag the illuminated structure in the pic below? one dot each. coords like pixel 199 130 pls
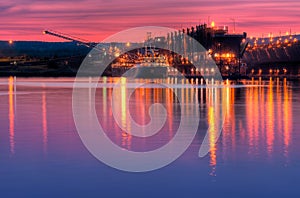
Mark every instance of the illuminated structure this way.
pixel 273 55
pixel 226 49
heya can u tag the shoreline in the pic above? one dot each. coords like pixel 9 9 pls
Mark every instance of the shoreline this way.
pixel 58 74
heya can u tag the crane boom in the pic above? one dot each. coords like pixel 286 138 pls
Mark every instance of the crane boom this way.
pixel 101 47
pixel 70 38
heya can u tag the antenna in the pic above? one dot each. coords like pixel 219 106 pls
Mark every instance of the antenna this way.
pixel 233 19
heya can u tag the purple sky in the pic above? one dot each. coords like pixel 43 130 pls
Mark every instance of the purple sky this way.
pixel 96 19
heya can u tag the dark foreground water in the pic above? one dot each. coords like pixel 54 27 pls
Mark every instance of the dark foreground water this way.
pixel 257 154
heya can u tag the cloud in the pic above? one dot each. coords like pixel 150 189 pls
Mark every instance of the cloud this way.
pixel 98 19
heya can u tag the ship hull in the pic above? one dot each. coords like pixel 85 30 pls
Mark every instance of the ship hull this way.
pixel 147 72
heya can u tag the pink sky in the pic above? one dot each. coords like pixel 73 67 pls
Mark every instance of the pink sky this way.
pixel 97 19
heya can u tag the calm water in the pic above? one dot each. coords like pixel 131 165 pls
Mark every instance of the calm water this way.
pixel 257 154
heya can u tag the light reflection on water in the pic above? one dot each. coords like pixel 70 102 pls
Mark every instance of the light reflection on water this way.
pixel 44 116
pixel 11 114
pixel 259 124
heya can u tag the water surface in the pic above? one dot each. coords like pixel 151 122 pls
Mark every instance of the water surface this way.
pixel 257 154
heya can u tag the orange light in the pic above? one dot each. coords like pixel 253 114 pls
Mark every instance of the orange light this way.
pixel 10 42
pixel 213 24
pixel 286 40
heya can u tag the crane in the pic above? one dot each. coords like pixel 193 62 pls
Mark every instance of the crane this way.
pixel 79 41
pixel 105 49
